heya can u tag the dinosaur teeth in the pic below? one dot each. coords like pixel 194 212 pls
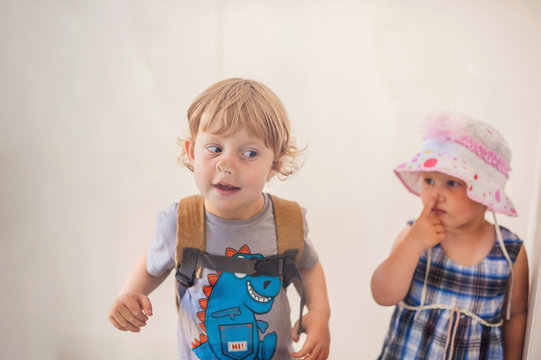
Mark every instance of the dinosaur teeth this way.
pixel 257 297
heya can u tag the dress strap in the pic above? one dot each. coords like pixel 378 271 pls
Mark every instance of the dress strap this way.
pixel 512 276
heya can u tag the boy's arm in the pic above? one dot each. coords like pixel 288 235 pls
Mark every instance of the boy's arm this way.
pixel 392 278
pixel 514 329
pixel 131 309
pixel 316 321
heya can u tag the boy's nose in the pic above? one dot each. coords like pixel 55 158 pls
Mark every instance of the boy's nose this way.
pixel 224 166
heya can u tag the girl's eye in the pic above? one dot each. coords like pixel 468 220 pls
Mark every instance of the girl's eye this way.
pixel 214 149
pixel 250 154
pixel 453 183
pixel 429 181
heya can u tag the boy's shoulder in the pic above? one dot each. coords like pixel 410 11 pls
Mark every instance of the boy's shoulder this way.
pixel 167 219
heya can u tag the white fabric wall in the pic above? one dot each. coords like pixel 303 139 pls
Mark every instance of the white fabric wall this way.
pixel 93 95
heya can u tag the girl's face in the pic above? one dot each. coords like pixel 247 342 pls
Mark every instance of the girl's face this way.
pixel 230 172
pixel 453 206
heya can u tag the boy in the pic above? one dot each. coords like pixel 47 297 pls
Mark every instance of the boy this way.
pixel 239 139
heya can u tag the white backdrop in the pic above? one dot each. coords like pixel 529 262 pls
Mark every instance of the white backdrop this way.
pixel 94 95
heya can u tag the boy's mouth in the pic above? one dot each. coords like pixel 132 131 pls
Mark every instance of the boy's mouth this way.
pixel 224 188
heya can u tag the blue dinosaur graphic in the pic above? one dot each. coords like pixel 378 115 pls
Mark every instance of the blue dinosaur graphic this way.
pixel 229 319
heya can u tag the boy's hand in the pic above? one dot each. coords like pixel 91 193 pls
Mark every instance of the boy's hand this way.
pixel 427 231
pixel 130 312
pixel 318 338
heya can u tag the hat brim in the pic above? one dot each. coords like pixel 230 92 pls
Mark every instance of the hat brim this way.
pixel 485 184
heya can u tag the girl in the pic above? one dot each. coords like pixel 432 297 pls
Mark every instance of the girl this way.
pixel 459 282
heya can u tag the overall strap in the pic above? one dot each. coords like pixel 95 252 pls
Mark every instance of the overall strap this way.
pixel 190 236
pixel 289 225
pixel 190 225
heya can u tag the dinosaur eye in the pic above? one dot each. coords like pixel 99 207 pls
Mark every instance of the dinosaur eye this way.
pixel 240 275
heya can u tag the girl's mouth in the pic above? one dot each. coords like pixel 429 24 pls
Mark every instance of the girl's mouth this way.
pixel 438 211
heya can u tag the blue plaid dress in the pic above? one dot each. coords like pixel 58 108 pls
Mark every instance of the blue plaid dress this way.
pixel 459 299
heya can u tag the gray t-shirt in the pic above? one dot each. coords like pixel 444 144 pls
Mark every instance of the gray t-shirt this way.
pixel 252 314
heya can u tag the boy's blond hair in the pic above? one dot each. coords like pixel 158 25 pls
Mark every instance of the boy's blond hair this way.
pixel 233 104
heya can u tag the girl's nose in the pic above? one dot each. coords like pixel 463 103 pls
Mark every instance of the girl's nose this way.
pixel 439 196
pixel 224 166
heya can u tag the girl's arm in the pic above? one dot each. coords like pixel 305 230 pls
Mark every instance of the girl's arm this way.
pixel 514 329
pixel 316 321
pixel 131 309
pixel 392 278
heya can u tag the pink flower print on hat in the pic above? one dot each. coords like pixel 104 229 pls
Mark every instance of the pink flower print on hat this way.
pixel 430 162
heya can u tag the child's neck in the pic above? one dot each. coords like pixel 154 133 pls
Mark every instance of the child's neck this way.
pixel 469 245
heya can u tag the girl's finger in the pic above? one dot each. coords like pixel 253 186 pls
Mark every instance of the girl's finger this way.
pixel 427 209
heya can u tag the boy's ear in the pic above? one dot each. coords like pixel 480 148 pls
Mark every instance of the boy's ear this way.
pixel 189 149
pixel 276 166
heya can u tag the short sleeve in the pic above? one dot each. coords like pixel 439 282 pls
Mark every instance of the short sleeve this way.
pixel 162 251
pixel 309 256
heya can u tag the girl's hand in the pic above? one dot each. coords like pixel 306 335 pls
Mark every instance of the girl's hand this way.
pixel 130 312
pixel 318 338
pixel 427 231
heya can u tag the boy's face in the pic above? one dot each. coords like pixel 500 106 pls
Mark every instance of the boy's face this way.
pixel 453 206
pixel 230 172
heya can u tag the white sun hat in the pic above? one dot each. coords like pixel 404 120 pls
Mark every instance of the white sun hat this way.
pixel 468 149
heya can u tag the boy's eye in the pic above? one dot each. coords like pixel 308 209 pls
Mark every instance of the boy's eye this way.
pixel 250 153
pixel 214 149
